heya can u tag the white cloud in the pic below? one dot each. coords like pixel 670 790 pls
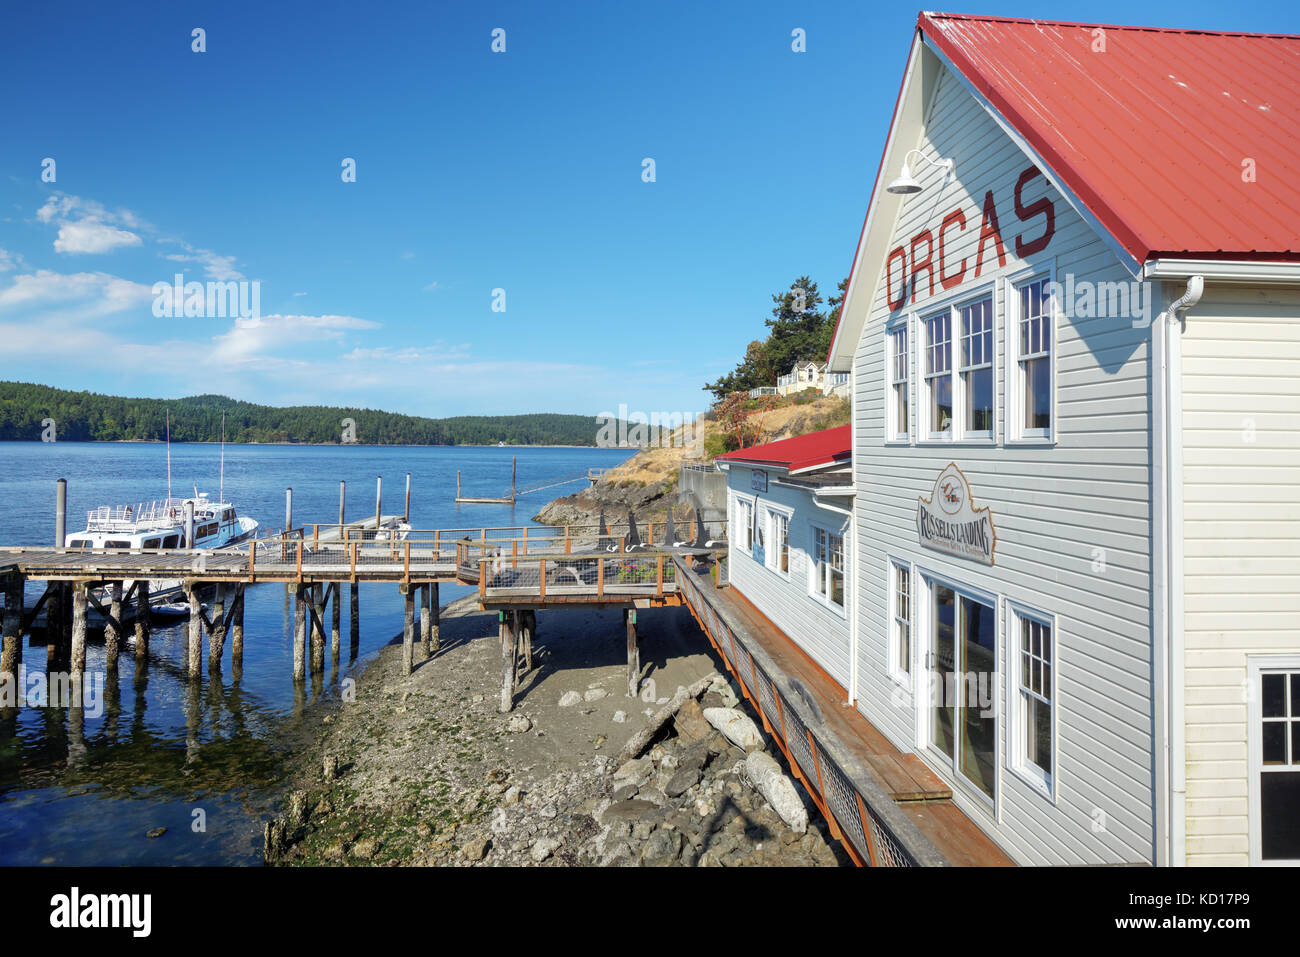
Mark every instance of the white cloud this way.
pixel 9 261
pixel 92 238
pixel 98 292
pixel 220 268
pixel 87 227
pixel 296 294
pixel 255 341
pixel 432 286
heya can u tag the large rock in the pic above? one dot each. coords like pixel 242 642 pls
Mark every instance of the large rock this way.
pixel 735 727
pixel 682 781
pixel 779 791
pixel 690 723
pixel 627 812
pixel 662 849
pixel 635 772
pixel 544 848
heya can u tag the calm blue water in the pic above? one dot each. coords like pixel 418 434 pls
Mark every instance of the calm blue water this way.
pixel 164 748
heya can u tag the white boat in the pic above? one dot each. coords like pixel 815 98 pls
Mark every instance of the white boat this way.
pixel 159 525
pixel 162 525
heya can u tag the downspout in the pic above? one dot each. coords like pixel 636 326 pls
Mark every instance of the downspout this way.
pixel 853 531
pixel 1173 608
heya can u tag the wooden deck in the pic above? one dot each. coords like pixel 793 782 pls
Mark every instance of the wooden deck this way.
pixel 916 790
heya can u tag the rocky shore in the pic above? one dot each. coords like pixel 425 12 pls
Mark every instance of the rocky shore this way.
pixel 422 770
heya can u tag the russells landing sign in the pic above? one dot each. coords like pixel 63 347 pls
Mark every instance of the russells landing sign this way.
pixel 948 522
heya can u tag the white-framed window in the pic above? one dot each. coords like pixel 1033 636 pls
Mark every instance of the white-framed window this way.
pixel 1031 405
pixel 975 368
pixel 959 383
pixel 1273 738
pixel 778 541
pixel 938 375
pixel 959 717
pixel 899 358
pixel 742 523
pixel 826 582
pixel 1033 669
pixel 900 621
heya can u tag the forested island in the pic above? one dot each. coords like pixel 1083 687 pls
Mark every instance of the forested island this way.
pixel 26 411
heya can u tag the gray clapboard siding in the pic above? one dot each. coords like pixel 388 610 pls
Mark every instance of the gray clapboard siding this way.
pixel 820 631
pixel 1052 506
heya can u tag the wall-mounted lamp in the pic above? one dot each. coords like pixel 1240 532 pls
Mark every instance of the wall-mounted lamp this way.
pixel 906 183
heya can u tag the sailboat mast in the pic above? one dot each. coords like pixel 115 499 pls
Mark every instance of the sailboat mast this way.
pixel 169 455
pixel 221 486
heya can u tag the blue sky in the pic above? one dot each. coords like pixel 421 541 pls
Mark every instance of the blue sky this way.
pixel 476 171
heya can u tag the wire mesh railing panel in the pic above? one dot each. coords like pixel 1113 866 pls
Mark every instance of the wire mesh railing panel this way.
pixel 796 739
pixel 888 851
pixel 842 801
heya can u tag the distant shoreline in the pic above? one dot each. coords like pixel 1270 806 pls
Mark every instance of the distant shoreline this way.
pixel 317 445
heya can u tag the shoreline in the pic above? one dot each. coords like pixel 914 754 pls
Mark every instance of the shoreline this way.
pixel 422 770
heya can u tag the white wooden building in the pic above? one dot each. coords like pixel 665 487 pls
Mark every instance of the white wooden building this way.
pixel 790 539
pixel 1072 327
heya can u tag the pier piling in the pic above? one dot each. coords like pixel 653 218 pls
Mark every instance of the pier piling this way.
pixel 237 633
pixel 53 626
pixel 408 629
pixel 509 661
pixel 217 635
pixel 633 654
pixel 112 638
pixel 354 621
pixel 12 650
pixel 194 668
pixel 299 633
pixel 332 597
pixel 78 647
pixel 426 622
pixel 141 619
pixel 437 619
pixel 317 630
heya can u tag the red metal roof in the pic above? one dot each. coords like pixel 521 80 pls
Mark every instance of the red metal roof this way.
pixel 827 447
pixel 1152 133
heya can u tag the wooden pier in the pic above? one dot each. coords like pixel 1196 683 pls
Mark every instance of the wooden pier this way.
pixel 515 571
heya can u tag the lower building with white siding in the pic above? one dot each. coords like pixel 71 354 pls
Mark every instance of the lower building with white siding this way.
pixel 790 539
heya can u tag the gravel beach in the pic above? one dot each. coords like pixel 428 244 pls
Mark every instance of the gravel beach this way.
pixel 422 770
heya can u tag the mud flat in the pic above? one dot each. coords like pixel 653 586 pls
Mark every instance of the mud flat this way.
pixel 422 770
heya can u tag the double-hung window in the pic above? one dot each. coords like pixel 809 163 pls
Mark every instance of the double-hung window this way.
pixel 778 542
pixel 976 368
pixel 959 389
pixel 901 620
pixel 938 375
pixel 1032 378
pixel 899 428
pixel 1274 749
pixel 1033 748
pixel 743 524
pixel 828 567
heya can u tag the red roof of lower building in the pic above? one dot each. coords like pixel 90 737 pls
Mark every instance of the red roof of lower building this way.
pixel 813 450
pixel 1181 143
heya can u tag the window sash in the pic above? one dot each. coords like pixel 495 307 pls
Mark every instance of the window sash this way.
pixel 1036 658
pixel 1034 359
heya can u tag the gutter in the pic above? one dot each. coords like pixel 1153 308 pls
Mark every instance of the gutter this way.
pixel 1172 606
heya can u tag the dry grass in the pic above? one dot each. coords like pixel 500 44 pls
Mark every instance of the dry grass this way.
pixel 785 421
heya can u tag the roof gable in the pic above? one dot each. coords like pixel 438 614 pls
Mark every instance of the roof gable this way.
pixel 1133 197
pixel 1152 129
